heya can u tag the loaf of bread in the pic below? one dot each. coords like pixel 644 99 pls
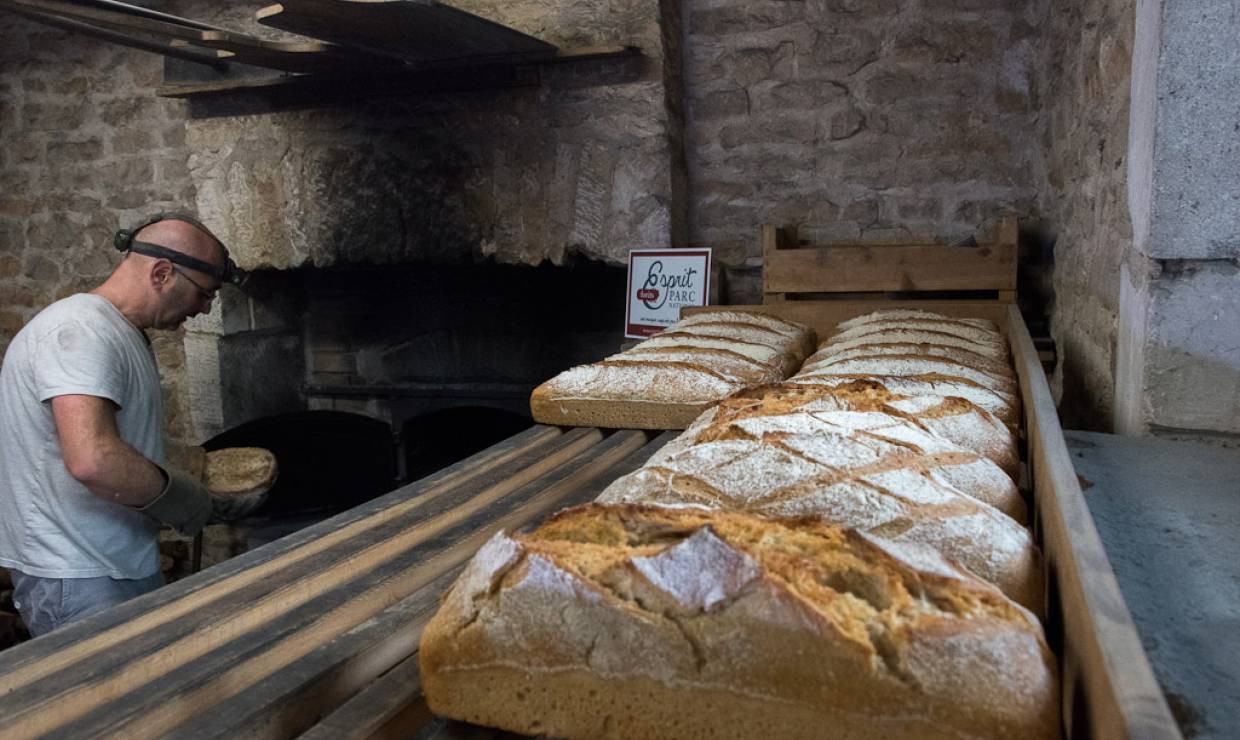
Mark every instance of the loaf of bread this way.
pixel 916 353
pixel 900 325
pixel 667 381
pixel 636 622
pixel 832 445
pixel 854 479
pixel 240 471
pixel 954 419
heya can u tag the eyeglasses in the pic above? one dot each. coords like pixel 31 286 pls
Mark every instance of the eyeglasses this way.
pixel 208 295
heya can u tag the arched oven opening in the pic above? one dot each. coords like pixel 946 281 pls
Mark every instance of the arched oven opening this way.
pixel 329 461
pixel 438 439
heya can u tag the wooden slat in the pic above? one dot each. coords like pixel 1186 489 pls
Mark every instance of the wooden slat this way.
pixel 132 40
pixel 851 268
pixel 789 267
pixel 1104 657
pixel 419 31
pixel 175 617
pixel 390 706
pixel 285 705
pixel 288 56
pixel 59 650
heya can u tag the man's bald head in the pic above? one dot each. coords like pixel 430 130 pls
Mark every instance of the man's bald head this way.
pixel 185 238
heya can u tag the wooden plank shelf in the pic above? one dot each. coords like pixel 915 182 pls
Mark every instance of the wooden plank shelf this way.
pixel 271 642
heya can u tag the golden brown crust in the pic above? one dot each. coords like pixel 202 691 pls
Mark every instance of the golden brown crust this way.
pixel 813 630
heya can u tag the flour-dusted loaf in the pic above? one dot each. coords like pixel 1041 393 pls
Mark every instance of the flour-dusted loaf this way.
pixel 954 419
pixel 853 480
pixel 846 443
pixel 917 354
pixel 636 622
pixel 667 381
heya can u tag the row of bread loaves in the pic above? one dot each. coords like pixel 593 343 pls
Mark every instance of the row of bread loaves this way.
pixel 838 555
pixel 667 380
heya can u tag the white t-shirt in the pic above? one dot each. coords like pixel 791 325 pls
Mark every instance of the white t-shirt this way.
pixel 50 524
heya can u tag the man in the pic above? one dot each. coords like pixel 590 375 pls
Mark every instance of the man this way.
pixel 82 491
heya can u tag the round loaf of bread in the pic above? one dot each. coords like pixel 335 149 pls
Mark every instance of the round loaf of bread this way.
pixel 240 471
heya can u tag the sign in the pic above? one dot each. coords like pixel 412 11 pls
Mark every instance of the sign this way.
pixel 661 282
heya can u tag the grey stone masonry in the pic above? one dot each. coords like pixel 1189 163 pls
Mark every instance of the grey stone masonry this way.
pixel 879 119
pixel 1179 358
pixel 588 162
pixel 1085 62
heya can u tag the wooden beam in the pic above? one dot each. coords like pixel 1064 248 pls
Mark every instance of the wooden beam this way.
pixel 287 56
pixel 419 32
pixel 133 41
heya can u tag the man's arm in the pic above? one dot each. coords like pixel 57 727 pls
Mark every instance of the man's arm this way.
pixel 98 458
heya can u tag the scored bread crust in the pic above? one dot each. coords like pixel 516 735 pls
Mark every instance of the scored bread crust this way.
pixel 901 503
pixel 661 623
pixel 954 419
pixel 930 385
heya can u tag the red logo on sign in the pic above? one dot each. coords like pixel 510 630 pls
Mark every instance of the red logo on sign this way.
pixel 647 294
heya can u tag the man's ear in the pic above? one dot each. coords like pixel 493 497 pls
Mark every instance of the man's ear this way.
pixel 161 275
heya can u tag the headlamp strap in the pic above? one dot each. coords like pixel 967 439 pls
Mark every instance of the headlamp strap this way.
pixel 158 252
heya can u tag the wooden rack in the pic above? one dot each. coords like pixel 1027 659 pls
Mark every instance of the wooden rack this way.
pixel 315 632
pixel 791 269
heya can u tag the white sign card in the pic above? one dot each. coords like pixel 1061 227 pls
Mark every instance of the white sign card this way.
pixel 661 282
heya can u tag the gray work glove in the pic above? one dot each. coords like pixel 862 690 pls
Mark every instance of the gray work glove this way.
pixel 184 504
pixel 232 508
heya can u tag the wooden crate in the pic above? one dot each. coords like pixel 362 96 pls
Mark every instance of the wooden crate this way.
pixel 790 268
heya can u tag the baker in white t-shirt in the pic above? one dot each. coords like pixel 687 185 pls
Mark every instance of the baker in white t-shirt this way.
pixel 82 486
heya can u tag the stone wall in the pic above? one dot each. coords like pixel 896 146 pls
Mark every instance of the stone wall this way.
pixel 1178 369
pixel 877 119
pixel 85 148
pixel 583 163
pixel 1086 61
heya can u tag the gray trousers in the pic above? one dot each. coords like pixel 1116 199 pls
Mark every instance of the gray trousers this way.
pixel 50 603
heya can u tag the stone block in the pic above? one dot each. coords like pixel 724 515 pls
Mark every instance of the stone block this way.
pixel 131 141
pixel 720 104
pixel 42 269
pixel 843 50
pixel 745 17
pixel 799 95
pixel 899 85
pixel 11 322
pixel 769 128
pixel 948 41
pixel 846 123
pixel 1195 205
pixel 823 9
pixel 54 116
pixel 1193 352
pixel 65 152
